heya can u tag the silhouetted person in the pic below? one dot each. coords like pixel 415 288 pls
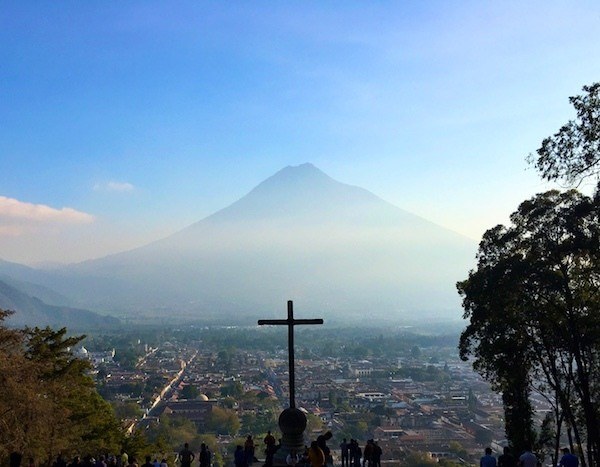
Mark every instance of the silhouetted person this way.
pixel 270 449
pixel 488 460
pixel 376 454
pixel 316 456
pixel 322 443
pixel 249 449
pixel 186 456
pixel 239 457
pixel 507 459
pixel 357 454
pixel 15 459
pixel 528 458
pixel 568 459
pixel 344 451
pixel 204 456
pixel 59 462
pixel 368 454
pixel 148 462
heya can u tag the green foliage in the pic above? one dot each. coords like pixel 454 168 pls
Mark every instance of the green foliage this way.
pixel 189 392
pixel 223 421
pixel 419 459
pixel 313 423
pixel 456 448
pixel 573 153
pixel 533 306
pixel 234 389
pixel 49 403
pixel 126 409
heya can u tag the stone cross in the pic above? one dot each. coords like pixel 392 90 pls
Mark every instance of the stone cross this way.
pixel 290 322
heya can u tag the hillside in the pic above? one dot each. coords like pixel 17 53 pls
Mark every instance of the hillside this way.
pixel 333 248
pixel 31 311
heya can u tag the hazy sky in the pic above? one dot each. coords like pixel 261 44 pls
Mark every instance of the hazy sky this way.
pixel 122 122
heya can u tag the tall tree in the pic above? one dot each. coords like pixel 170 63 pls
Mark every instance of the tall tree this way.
pixel 49 403
pixel 533 304
pixel 573 153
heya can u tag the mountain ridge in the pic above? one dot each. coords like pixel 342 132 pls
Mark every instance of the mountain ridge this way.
pixel 31 311
pixel 298 234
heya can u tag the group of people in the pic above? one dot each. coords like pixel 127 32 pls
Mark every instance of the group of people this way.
pixel 354 456
pixel 186 456
pixel 245 456
pixel 527 459
pixel 109 460
pixel 319 454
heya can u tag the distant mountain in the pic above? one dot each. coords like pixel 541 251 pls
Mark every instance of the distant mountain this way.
pixel 45 294
pixel 337 250
pixel 31 311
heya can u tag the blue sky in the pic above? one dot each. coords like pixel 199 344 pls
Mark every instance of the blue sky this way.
pixel 122 122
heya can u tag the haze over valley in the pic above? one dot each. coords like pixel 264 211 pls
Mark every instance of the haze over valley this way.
pixel 335 249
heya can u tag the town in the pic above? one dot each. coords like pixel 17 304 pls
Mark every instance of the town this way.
pixel 409 392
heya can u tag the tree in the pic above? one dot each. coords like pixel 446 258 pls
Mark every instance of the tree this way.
pixel 533 306
pixel 573 153
pixel 82 417
pixel 223 421
pixel 49 403
pixel 127 409
pixel 419 459
pixel 189 391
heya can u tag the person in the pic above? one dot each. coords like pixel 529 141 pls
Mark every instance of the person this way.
pixel 316 457
pixel 249 449
pixel 124 458
pixel 528 458
pixel 292 458
pixel 60 461
pixel 322 443
pixel 186 457
pixel 344 450
pixel 148 462
pixel 270 448
pixel 163 463
pixel 205 456
pixel 357 454
pixel 376 454
pixel 506 459
pixel 368 454
pixel 239 456
pixel 76 462
pixel 487 460
pixel 568 459
pixel 15 459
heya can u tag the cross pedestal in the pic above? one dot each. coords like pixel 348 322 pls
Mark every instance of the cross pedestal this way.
pixel 292 421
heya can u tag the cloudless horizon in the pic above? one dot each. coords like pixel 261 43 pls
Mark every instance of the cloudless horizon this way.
pixel 124 122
